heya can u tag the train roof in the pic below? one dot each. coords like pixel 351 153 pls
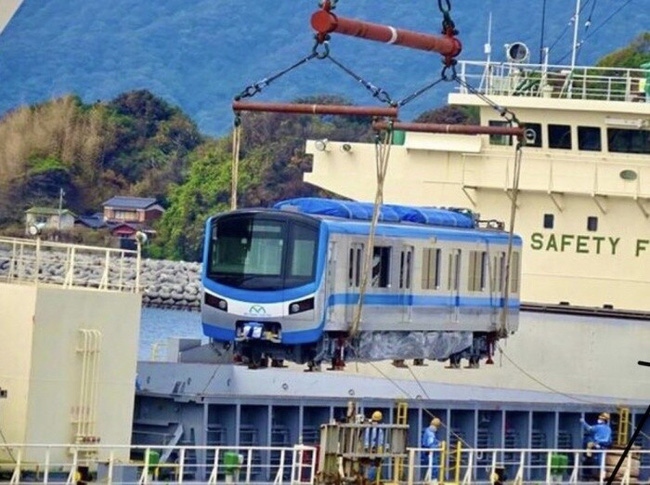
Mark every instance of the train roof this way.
pixel 362 211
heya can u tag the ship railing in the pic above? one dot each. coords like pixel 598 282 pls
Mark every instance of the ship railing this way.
pixel 40 262
pixel 553 81
pixel 142 465
pixel 531 465
pixel 297 465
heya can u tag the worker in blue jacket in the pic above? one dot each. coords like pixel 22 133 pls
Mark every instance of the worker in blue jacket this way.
pixel 430 460
pixel 600 436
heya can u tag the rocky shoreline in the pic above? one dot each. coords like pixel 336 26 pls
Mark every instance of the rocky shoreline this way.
pixel 171 284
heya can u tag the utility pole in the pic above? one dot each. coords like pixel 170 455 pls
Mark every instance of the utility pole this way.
pixel 61 194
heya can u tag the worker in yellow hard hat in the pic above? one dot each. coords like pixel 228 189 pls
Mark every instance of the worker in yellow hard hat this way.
pixel 430 459
pixel 373 442
pixel 374 436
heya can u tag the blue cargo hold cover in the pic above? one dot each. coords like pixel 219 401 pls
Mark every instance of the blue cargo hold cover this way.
pixel 388 213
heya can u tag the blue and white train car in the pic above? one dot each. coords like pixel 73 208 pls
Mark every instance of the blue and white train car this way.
pixel 284 283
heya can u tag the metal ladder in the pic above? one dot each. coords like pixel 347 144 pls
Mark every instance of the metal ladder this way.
pixel 623 430
pixel 401 417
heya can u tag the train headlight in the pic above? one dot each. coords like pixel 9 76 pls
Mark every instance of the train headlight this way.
pixel 216 302
pixel 301 306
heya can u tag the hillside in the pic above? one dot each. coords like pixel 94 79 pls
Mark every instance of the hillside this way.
pixel 199 54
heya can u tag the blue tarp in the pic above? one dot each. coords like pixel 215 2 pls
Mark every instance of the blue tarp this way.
pixel 388 212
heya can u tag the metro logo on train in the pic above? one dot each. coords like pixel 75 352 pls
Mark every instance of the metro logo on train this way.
pixel 584 244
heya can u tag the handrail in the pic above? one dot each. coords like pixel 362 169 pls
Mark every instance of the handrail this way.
pixel 36 261
pixel 297 465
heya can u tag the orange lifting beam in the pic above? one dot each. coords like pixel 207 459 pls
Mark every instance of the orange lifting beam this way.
pixel 456 129
pixel 316 109
pixel 325 22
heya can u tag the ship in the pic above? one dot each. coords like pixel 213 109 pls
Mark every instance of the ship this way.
pixel 76 406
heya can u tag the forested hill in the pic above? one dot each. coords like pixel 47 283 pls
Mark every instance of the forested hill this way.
pixel 198 54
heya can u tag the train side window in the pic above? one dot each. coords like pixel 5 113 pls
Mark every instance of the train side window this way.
pixel 453 276
pixel 381 267
pixel 514 273
pixel 430 268
pixel 405 267
pixel 354 265
pixel 476 273
pixel 559 136
pixel 499 271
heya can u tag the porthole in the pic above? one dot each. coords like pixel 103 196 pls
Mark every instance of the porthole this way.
pixel 628 175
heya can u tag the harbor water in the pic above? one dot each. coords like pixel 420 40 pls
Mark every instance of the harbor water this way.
pixel 157 325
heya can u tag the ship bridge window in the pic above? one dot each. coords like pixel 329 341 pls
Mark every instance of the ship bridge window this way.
pixel 381 267
pixel 559 136
pixel 589 138
pixel 533 135
pixel 628 141
pixel 503 140
pixel 549 221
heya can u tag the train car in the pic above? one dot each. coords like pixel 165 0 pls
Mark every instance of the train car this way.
pixel 285 283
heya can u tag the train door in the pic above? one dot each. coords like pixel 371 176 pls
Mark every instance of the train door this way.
pixel 406 282
pixel 497 280
pixel 355 264
pixel 453 283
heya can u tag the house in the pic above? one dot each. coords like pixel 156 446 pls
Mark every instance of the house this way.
pixel 141 210
pixel 49 218
pixel 93 221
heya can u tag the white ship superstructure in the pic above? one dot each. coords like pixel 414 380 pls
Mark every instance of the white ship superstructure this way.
pixel 583 204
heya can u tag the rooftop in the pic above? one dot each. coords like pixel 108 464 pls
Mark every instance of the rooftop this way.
pixel 125 202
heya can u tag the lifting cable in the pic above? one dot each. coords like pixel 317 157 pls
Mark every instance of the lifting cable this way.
pixel 511 119
pixel 383 142
pixel 450 47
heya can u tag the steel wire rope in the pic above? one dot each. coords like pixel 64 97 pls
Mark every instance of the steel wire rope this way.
pixel 566 27
pixel 511 118
pixel 597 28
pixel 376 91
pixel 234 178
pixel 415 398
pixel 383 144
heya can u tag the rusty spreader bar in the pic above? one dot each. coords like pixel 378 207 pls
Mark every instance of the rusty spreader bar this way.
pixel 325 22
pixel 316 109
pixel 455 129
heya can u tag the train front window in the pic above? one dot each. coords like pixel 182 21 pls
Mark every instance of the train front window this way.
pixel 260 253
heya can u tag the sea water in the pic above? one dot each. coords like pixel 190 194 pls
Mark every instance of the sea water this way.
pixel 156 326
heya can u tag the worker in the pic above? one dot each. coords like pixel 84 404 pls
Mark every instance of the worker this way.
pixel 430 459
pixel 373 440
pixel 599 436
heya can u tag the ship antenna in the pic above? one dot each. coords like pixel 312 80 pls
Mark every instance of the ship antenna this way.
pixel 541 40
pixel 487 49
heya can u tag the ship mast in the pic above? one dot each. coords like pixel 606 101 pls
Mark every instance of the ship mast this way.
pixel 574 47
